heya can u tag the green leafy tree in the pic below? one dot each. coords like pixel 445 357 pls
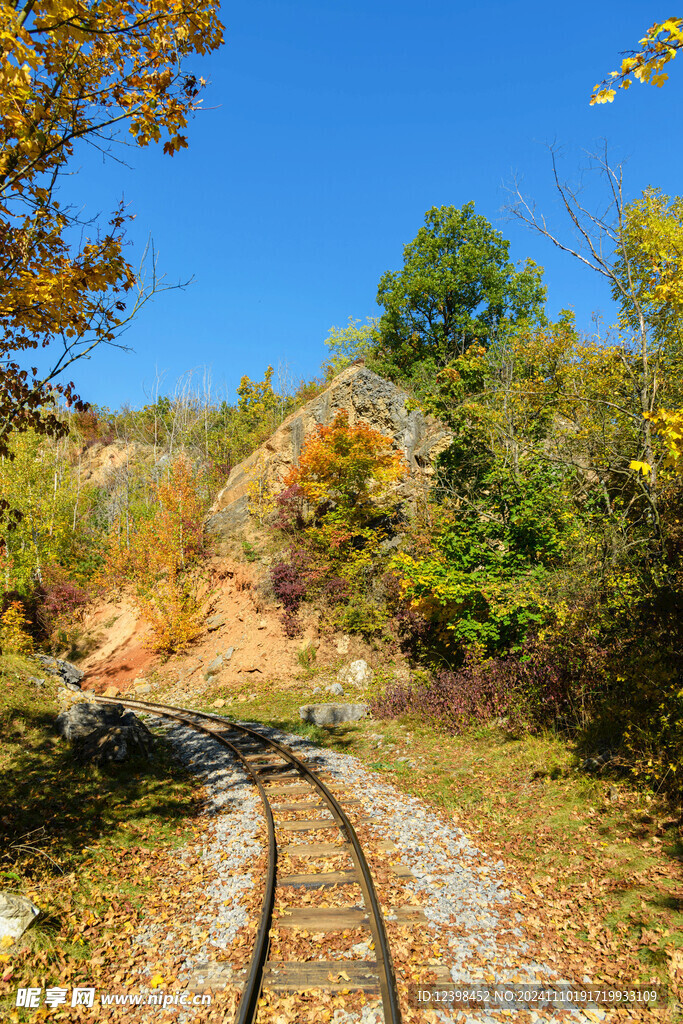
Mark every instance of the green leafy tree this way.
pixel 457 287
pixel 40 479
pixel 349 344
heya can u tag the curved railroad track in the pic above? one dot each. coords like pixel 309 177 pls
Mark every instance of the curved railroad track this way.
pixel 269 764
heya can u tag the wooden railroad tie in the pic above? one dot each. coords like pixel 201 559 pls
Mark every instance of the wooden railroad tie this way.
pixel 305 805
pixel 293 789
pixel 341 919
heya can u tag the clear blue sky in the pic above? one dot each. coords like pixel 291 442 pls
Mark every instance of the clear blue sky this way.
pixel 329 130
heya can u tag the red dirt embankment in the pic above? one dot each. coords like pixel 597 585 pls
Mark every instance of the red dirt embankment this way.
pixel 122 654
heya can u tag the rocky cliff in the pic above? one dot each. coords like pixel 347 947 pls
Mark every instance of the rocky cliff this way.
pixel 364 396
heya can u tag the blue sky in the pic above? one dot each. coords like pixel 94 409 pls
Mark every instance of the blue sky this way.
pixel 329 130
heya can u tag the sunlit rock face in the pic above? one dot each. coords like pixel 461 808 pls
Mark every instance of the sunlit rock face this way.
pixel 364 396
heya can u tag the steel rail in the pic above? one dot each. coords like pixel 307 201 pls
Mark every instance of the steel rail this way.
pixel 249 1000
pixel 247 1008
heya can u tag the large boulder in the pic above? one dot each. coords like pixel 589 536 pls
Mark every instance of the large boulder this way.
pixel 104 732
pixel 364 396
pixel 332 714
pixel 16 915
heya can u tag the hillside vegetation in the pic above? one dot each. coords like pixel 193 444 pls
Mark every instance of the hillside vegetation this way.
pixel 538 583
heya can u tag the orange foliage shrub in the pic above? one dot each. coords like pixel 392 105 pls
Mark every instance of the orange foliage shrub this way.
pixel 14 634
pixel 344 463
pixel 159 558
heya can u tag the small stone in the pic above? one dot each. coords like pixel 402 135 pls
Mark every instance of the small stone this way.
pixel 16 915
pixel 215 622
pixel 38 683
pixel 65 696
pixel 111 691
pixel 228 654
pixel 343 645
pixel 214 666
pixel 218 704
pixel 336 688
pixel 262 624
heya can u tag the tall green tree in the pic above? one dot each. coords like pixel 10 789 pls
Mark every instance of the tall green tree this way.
pixel 457 287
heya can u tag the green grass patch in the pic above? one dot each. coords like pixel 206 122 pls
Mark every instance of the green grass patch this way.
pixel 75 838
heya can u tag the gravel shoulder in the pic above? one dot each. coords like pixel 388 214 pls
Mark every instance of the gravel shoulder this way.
pixel 474 927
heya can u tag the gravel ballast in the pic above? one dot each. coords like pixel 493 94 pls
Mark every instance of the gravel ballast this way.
pixel 462 890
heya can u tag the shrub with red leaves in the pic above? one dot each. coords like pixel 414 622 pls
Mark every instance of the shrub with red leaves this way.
pixel 541 686
pixel 337 590
pixel 290 505
pixel 290 624
pixel 59 598
pixel 453 699
pixel 289 580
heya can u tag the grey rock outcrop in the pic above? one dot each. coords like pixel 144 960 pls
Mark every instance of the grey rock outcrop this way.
pixel 104 732
pixel 332 714
pixel 16 915
pixel 364 396
pixel 69 674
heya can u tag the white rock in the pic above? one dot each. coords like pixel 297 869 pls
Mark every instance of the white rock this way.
pixel 16 914
pixel 357 673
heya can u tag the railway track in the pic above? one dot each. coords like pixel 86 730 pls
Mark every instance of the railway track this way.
pixel 278 772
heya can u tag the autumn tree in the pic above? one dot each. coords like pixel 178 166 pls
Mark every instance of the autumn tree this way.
pixel 457 287
pixel 72 73
pixel 339 505
pixel 347 345
pixel 346 463
pixel 659 46
pixel 636 247
pixel 159 556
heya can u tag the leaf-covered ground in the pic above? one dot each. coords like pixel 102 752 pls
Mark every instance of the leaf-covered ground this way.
pixel 97 850
pixel 596 865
